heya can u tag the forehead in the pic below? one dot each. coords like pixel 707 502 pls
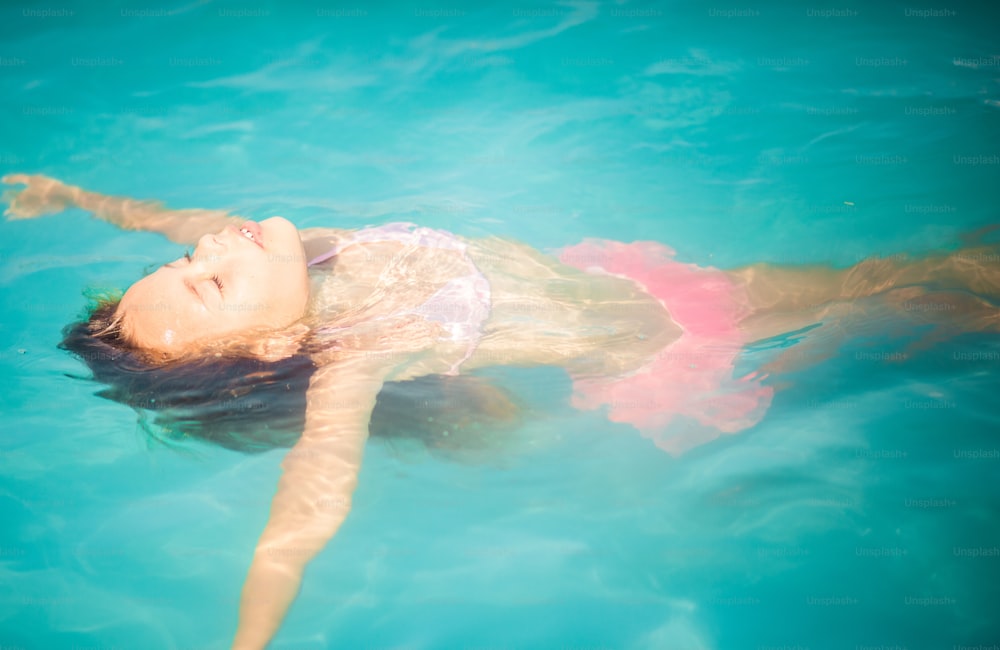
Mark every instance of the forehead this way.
pixel 161 292
pixel 152 309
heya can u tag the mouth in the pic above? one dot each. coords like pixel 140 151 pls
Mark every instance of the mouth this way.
pixel 251 230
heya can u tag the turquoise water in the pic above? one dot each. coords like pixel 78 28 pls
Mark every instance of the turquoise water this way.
pixel 862 511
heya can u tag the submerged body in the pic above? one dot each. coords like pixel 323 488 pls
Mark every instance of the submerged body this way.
pixel 651 339
pixel 529 308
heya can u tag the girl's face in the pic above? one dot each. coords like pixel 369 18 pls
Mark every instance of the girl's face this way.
pixel 239 281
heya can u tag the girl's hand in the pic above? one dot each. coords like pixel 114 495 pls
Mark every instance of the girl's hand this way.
pixel 43 195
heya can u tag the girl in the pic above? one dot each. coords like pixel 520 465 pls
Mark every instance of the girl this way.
pixel 652 340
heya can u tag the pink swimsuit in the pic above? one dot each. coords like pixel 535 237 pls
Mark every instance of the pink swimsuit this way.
pixel 462 305
pixel 686 395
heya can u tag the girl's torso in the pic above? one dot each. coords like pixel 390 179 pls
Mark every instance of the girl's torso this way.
pixel 495 302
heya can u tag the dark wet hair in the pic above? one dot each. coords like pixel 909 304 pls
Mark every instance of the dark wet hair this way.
pixel 250 405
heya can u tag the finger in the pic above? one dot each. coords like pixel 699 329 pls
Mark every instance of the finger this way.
pixel 14 179
pixel 15 215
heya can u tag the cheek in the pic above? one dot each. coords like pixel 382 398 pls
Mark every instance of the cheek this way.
pixel 275 283
pixel 263 289
pixel 284 272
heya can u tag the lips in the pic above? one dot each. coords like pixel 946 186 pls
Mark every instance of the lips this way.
pixel 254 229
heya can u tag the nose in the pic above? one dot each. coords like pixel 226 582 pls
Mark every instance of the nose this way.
pixel 209 244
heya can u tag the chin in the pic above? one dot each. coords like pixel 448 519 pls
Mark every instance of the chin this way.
pixel 280 226
pixel 281 238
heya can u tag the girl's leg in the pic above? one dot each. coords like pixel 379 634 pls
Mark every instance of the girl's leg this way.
pixel 786 298
pixel 954 293
pixel 689 393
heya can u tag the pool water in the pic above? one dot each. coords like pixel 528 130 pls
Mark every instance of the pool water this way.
pixel 861 512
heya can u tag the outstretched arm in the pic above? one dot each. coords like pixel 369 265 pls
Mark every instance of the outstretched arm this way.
pixel 321 471
pixel 313 497
pixel 44 195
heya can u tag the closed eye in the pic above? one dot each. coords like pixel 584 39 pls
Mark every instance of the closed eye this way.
pixel 217 282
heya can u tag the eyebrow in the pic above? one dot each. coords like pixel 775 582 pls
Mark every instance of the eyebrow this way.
pixel 192 289
pixel 187 283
